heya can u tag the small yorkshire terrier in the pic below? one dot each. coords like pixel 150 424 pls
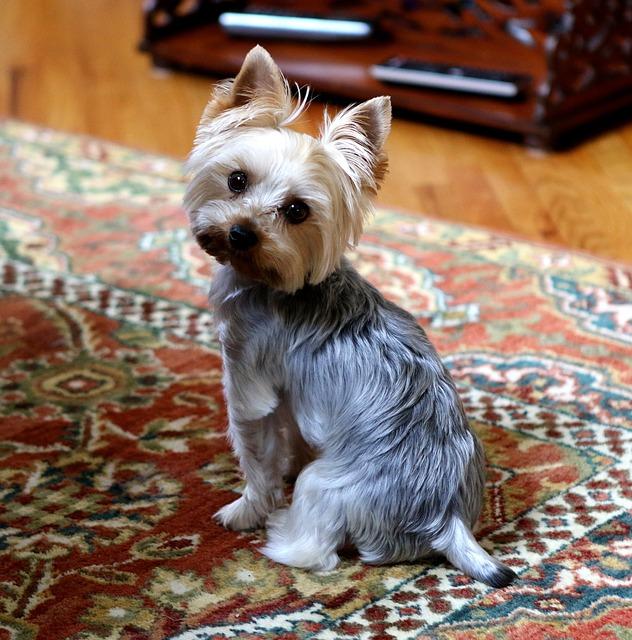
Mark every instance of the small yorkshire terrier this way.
pixel 324 378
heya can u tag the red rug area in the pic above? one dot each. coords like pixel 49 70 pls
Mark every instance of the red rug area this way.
pixel 113 458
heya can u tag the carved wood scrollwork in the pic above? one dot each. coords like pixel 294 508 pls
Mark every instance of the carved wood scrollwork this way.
pixel 593 47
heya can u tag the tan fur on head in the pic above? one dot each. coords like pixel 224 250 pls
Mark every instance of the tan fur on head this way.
pixel 245 128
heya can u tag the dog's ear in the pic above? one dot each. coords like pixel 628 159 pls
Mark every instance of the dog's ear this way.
pixel 356 136
pixel 259 81
pixel 259 76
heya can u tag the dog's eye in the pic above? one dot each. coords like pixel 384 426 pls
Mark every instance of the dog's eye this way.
pixel 296 212
pixel 237 181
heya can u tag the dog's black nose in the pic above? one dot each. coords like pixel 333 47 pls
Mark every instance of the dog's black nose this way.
pixel 241 237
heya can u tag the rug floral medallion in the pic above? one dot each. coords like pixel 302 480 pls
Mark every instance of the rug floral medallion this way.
pixel 112 449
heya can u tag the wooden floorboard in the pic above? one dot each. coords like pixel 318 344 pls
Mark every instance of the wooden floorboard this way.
pixel 75 66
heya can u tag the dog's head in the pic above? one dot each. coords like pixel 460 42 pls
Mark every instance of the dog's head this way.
pixel 278 205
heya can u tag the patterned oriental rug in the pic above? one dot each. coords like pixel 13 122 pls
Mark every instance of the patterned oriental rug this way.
pixel 113 458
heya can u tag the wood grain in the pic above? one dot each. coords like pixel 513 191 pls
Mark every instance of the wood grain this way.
pixel 75 66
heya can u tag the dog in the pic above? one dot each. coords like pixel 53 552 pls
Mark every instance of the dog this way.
pixel 323 377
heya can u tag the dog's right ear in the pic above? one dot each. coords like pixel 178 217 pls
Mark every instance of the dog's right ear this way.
pixel 259 92
pixel 258 77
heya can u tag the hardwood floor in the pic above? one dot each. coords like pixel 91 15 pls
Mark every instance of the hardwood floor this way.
pixel 75 66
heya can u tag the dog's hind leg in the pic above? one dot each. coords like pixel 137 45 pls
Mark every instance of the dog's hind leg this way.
pixel 309 532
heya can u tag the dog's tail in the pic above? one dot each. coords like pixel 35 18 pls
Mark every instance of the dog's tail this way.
pixel 459 546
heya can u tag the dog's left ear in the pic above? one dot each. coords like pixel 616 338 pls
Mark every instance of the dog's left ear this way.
pixel 357 136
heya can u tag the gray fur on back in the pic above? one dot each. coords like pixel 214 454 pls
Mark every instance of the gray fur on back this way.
pixel 370 396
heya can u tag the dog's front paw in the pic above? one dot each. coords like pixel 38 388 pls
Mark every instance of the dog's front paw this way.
pixel 241 514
